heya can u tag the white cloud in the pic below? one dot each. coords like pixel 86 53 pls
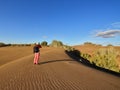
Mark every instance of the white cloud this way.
pixel 108 33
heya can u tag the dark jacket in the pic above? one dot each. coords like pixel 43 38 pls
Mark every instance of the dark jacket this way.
pixel 36 48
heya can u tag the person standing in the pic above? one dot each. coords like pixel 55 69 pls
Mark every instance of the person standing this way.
pixel 36 51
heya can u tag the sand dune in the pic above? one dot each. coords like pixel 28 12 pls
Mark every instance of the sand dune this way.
pixel 56 71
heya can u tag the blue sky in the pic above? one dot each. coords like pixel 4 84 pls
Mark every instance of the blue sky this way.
pixel 71 21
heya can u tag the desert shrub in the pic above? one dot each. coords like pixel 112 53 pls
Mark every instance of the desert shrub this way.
pixel 20 45
pixel 27 44
pixel 2 44
pixel 44 43
pixel 85 56
pixel 106 58
pixel 8 44
pixel 56 43
pixel 68 48
pixel 89 43
pixel 92 44
pixel 109 45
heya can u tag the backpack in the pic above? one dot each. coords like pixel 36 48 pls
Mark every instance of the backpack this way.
pixel 36 49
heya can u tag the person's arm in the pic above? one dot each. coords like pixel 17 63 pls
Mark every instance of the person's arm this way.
pixel 39 46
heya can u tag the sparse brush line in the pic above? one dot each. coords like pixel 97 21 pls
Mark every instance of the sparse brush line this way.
pixel 105 58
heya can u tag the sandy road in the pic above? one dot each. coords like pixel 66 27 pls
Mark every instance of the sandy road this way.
pixel 56 71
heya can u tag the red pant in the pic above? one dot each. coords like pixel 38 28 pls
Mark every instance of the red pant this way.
pixel 36 58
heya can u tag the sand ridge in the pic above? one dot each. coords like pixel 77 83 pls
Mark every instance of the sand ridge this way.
pixel 56 71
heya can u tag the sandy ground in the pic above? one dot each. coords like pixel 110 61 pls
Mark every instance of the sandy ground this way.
pixel 56 71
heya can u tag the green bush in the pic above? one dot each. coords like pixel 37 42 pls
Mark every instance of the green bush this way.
pixel 44 43
pixel 85 56
pixel 109 45
pixel 68 48
pixel 56 43
pixel 2 44
pixel 106 58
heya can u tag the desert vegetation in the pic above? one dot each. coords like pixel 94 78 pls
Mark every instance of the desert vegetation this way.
pixel 101 56
pixel 106 58
pixel 21 44
pixel 92 44
pixel 56 43
pixel 4 45
pixel 44 43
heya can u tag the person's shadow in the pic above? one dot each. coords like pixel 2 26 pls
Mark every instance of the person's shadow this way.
pixel 75 54
pixel 53 61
